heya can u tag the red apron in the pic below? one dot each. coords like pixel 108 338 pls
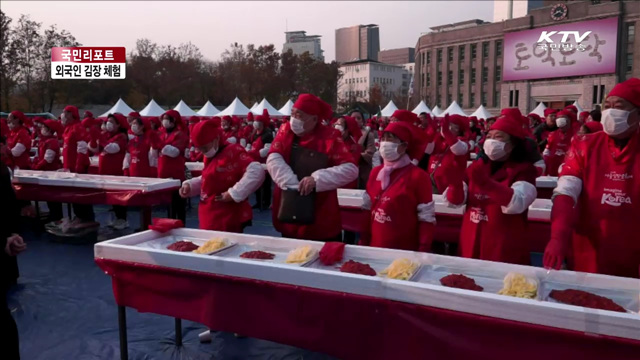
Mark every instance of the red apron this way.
pixel 21 136
pixel 73 133
pixel 48 143
pixel 558 145
pixel 139 148
pixel 169 167
pixel 111 164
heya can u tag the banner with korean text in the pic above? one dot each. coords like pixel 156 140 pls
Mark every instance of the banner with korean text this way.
pixel 88 63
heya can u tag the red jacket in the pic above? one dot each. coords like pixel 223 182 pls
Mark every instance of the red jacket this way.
pixel 111 163
pixel 73 133
pixel 48 143
pixel 258 141
pixel 172 167
pixel 442 158
pixel 558 144
pixel 20 136
pixel 356 151
pixel 139 148
pixel 605 239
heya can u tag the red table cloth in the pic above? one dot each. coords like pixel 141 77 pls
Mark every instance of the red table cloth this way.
pixel 345 325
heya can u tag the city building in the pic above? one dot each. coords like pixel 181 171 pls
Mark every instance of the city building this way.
pixel 359 77
pixel 397 56
pixel 507 63
pixel 509 9
pixel 299 43
pixel 360 42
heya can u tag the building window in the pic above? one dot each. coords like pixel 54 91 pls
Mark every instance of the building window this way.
pixel 423 80
pixel 460 99
pixel 428 79
pixel 631 32
pixel 496 99
pixel 461 53
pixel 439 58
pixel 449 77
pixel 461 77
pixel 514 98
pixel 485 75
pixel 498 48
pixel 484 98
pixel 450 54
pixel 449 99
pixel 498 73
pixel 428 58
pixel 485 49
pixel 438 99
pixel 629 62
pixel 473 51
pixel 473 76
pixel 472 100
pixel 439 78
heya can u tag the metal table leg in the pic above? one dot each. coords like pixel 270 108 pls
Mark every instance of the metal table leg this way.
pixel 122 327
pixel 178 332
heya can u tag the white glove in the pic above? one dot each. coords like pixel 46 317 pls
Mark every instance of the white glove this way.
pixel 546 152
pixel 153 158
pixel 170 151
pixel 127 161
pixel 131 136
pixel 248 147
pixel 187 152
pixel 83 148
pixel 18 150
pixel 49 156
pixel 264 152
pixel 243 142
pixel 560 153
pixel 112 148
pixel 232 140
pixel 267 146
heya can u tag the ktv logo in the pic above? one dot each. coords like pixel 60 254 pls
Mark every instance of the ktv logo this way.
pixel 547 42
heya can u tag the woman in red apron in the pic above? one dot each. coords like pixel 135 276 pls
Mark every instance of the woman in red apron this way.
pixel 111 161
pixel 258 148
pixel 230 175
pixel 497 190
pixel 19 140
pixel 48 158
pixel 559 142
pixel 171 164
pixel 137 162
pixel 351 133
pixel 451 149
pixel 596 205
pixel 399 196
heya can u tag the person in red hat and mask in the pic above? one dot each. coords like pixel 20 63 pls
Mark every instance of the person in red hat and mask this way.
pixel 193 120
pixel 301 139
pixel 48 158
pixel 139 161
pixel 258 148
pixel 451 149
pixel 171 146
pixel 223 194
pixel 350 133
pixel 19 140
pixel 559 142
pixel 402 208
pixel 228 134
pixel 594 219
pixel 497 191
pixel 542 131
pixel 589 128
pixel 111 161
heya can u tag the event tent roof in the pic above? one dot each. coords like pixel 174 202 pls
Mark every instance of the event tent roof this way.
pixel 481 113
pixel 152 109
pixel 254 106
pixel 184 109
pixel 539 110
pixel 120 107
pixel 436 111
pixel 236 108
pixel 264 104
pixel 208 110
pixel 389 109
pixel 286 109
pixel 454 109
pixel 422 107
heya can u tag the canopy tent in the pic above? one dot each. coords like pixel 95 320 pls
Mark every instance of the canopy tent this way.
pixel 422 107
pixel 208 110
pixel 264 104
pixel 152 109
pixel 580 109
pixel 184 109
pixel 481 113
pixel 539 110
pixel 454 109
pixel 389 109
pixel 236 108
pixel 436 111
pixel 286 109
pixel 120 107
pixel 254 106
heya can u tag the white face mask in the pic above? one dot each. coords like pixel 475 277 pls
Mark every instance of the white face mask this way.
pixel 340 128
pixel 45 132
pixel 103 127
pixel 614 121
pixel 470 124
pixel 494 149
pixel 297 126
pixel 212 152
pixel 389 151
pixel 63 118
pixel 368 128
pixel 167 124
pixel 110 127
pixel 561 122
pixel 256 124
pixel 135 128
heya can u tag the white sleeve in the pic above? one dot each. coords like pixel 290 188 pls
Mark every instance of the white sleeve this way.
pixel 465 189
pixel 524 194
pixel 196 185
pixel 335 177
pixel 546 152
pixel 127 161
pixel 170 151
pixel 243 142
pixel 281 172
pixel 540 165
pixel 112 148
pixel 18 150
pixel 131 136
pixel 366 201
pixel 232 140
pixel 427 212
pixel 376 160
pixel 459 148
pixel 153 157
pixel 263 152
pixel 570 186
pixel 430 147
pixel 472 144
pixel 49 156
pixel 249 183
pixel 187 152
pixel 82 147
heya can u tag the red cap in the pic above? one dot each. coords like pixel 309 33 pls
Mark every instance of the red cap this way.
pixel 548 112
pixel 353 128
pixel 155 120
pixel 39 120
pixel 73 110
pixel 54 125
pixel 572 108
pixel 593 126
pixel 535 116
pixel 228 119
pixel 583 116
pixel 264 118
pixel 88 122
pixel 122 120
pixel 175 116
pixel 134 114
pixel 313 105
pixel 628 90
pixel 88 114
pixel 250 116
pixel 401 130
pixel 204 132
pixel 566 113
pixel 405 116
pixel 511 123
pixel 194 120
pixel 20 116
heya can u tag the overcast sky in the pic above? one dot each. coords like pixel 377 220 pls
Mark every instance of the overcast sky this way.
pixel 213 25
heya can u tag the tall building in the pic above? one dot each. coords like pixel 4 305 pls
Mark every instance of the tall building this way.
pixel 360 42
pixel 505 64
pixel 359 77
pixel 299 43
pixel 510 9
pixel 397 56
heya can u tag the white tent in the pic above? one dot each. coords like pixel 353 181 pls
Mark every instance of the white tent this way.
pixel 208 110
pixel 580 109
pixel 454 109
pixel 422 107
pixel 286 109
pixel 539 110
pixel 152 109
pixel 235 108
pixel 436 111
pixel 481 113
pixel 389 109
pixel 120 107
pixel 184 109
pixel 264 104
pixel 254 106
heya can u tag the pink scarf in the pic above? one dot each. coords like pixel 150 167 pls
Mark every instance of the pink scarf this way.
pixel 384 175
